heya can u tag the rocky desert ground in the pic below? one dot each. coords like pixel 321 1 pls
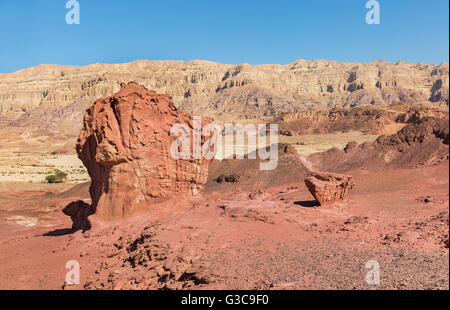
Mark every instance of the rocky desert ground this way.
pixel 362 176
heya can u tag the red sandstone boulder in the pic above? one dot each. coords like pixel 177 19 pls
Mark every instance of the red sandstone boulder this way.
pixel 125 146
pixel 328 188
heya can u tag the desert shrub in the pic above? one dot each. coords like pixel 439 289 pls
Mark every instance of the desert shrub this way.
pixel 58 176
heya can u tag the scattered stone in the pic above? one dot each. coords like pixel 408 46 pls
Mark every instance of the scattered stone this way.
pixel 255 195
pixel 234 178
pixel 350 146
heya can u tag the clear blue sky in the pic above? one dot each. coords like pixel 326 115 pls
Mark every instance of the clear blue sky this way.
pixel 231 31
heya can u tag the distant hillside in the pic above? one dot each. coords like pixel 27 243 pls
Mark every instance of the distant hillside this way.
pixel 237 91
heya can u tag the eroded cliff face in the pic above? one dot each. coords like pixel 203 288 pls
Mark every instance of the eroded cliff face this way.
pixel 366 119
pixel 231 90
pixel 125 145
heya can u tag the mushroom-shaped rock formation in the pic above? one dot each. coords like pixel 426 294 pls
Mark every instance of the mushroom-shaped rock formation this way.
pixel 328 188
pixel 125 145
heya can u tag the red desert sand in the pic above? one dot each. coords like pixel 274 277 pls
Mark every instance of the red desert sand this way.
pixel 165 224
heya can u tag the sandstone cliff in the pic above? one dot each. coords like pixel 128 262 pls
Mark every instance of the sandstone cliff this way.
pixel 366 119
pixel 242 91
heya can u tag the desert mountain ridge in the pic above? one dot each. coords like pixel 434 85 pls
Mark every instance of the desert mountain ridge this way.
pixel 240 91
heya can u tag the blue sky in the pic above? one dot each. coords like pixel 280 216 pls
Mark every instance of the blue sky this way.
pixel 232 31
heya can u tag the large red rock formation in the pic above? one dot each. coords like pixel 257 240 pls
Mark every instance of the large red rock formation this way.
pixel 125 146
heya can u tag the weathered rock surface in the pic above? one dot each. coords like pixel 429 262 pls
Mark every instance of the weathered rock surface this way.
pixel 79 211
pixel 421 142
pixel 328 188
pixel 367 119
pixel 125 145
pixel 242 90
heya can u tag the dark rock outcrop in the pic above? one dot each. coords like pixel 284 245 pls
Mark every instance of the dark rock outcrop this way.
pixel 79 211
